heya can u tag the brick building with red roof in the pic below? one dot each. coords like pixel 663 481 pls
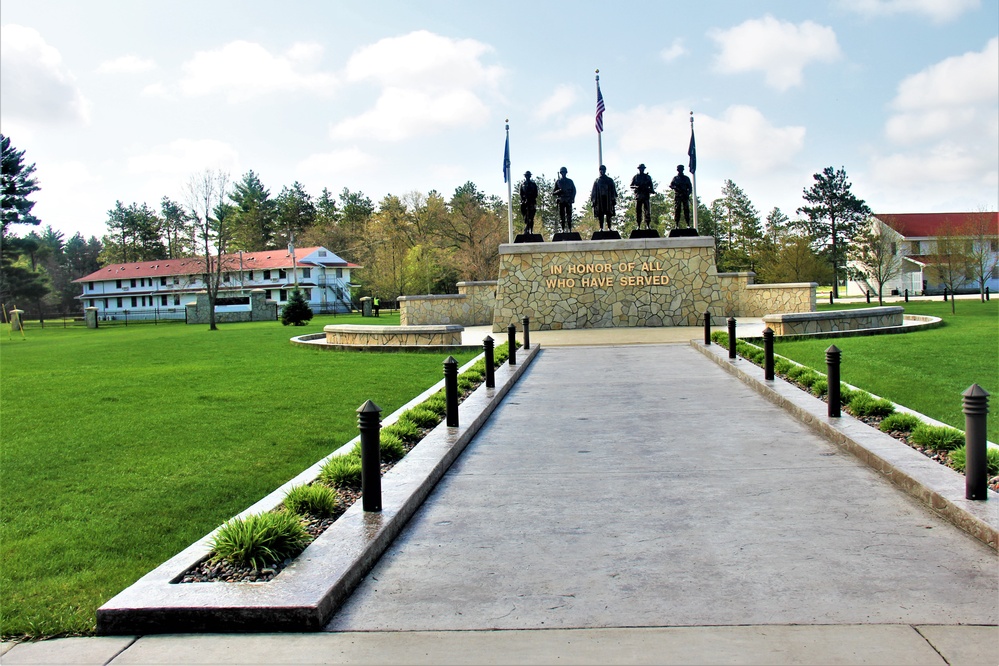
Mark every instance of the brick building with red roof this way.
pixel 163 288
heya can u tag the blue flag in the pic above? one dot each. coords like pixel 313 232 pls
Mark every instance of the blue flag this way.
pixel 691 151
pixel 506 160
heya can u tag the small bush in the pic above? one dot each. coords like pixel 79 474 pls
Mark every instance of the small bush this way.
pixel 259 539
pixel 864 404
pixel 959 460
pixel 899 422
pixel 846 394
pixel 342 472
pixel 796 371
pixel 782 365
pixel 437 403
pixel 940 438
pixel 808 378
pixel 720 338
pixel 422 416
pixel 405 430
pixel 479 367
pixel 317 500
pixel 391 447
pixel 473 374
pixel 820 387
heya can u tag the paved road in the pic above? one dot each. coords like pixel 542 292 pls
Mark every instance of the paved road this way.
pixel 643 486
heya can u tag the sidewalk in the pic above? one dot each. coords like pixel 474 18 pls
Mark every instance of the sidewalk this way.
pixel 637 504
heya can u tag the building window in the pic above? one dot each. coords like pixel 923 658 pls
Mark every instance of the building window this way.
pixel 994 246
pixel 322 253
pixel 176 279
pixel 105 304
pixel 267 294
pixel 267 275
pixel 307 293
pixel 117 284
pixel 90 285
pixel 339 272
pixel 916 247
pixel 306 272
pixel 163 300
pixel 162 281
pixel 250 274
pixel 176 299
pixel 283 295
pixel 131 282
pixel 282 274
pixel 119 303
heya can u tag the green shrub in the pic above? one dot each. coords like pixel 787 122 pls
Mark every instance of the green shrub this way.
pixel 479 367
pixel 820 387
pixel 474 374
pixel 796 371
pixel 318 500
pixel 808 378
pixel 720 338
pixel 437 403
pixel 959 459
pixel 782 365
pixel 342 471
pixel 940 438
pixel 466 383
pixel 405 430
pixel 899 422
pixel 846 394
pixel 391 447
pixel 864 404
pixel 422 416
pixel 259 539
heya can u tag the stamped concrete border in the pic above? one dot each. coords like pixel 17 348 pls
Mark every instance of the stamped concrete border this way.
pixel 938 487
pixel 306 594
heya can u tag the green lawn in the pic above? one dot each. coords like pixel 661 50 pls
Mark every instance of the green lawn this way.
pixel 926 370
pixel 121 446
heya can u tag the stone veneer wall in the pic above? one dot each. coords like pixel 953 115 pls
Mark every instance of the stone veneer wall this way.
pixel 261 309
pixel 827 322
pixel 472 306
pixel 394 336
pixel 651 282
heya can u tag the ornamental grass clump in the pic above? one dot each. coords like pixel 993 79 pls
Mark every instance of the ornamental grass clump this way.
pixel 421 416
pixel 939 438
pixel 437 403
pixel 808 378
pixel 259 539
pixel 405 430
pixel 782 365
pixel 317 500
pixel 958 459
pixel 342 471
pixel 820 387
pixel 466 383
pixel 391 448
pixel 899 422
pixel 865 404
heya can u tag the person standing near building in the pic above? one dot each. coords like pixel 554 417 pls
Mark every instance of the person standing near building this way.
pixel 377 304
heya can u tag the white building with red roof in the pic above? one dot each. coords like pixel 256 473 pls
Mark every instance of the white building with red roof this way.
pixel 915 237
pixel 163 288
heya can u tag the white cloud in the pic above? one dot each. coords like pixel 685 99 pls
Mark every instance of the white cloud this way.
pixel 37 86
pixel 158 89
pixel 430 82
pixel 319 169
pixel 673 51
pixel 561 99
pixel 243 70
pixel 182 157
pixel 778 48
pixel 971 78
pixel 741 135
pixel 939 11
pixel 126 64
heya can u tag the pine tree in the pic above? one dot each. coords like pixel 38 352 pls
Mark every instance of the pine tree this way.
pixel 296 311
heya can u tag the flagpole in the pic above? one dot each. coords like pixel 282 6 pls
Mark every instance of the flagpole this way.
pixel 600 134
pixel 693 171
pixel 509 184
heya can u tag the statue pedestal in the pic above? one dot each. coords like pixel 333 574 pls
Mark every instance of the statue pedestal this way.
pixel 605 235
pixel 529 238
pixel 563 236
pixel 683 232
pixel 643 233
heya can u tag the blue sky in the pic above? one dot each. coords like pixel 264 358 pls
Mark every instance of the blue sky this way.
pixel 126 100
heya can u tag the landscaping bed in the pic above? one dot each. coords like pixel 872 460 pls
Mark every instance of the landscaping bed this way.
pixel 942 444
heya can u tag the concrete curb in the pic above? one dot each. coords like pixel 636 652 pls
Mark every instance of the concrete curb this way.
pixel 305 595
pixel 938 487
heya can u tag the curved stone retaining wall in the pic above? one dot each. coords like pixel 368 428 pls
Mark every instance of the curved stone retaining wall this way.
pixel 471 306
pixel 392 336
pixel 839 320
pixel 651 282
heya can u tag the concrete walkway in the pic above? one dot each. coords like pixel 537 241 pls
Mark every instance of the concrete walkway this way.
pixel 637 504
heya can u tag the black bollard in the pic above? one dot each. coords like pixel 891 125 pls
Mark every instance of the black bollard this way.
pixel 527 333
pixel 906 295
pixel 868 296
pixel 369 423
pixel 707 328
pixel 768 354
pixel 945 294
pixel 731 337
pixel 451 391
pixel 487 345
pixel 833 355
pixel 511 343
pixel 830 298
pixel 986 293
pixel 976 473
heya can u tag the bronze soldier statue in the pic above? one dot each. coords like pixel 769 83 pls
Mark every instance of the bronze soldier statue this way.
pixel 603 196
pixel 643 188
pixel 565 193
pixel 528 202
pixel 682 189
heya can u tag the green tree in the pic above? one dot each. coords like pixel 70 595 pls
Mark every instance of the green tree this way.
pixel 474 228
pixel 982 232
pixel 296 311
pixel 738 227
pixel 176 229
pixel 17 184
pixel 949 265
pixel 206 193
pixel 295 212
pixel 794 260
pixel 133 235
pixel 834 217
pixel 875 254
pixel 253 224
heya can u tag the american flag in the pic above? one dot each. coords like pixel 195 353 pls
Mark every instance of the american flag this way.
pixel 600 110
